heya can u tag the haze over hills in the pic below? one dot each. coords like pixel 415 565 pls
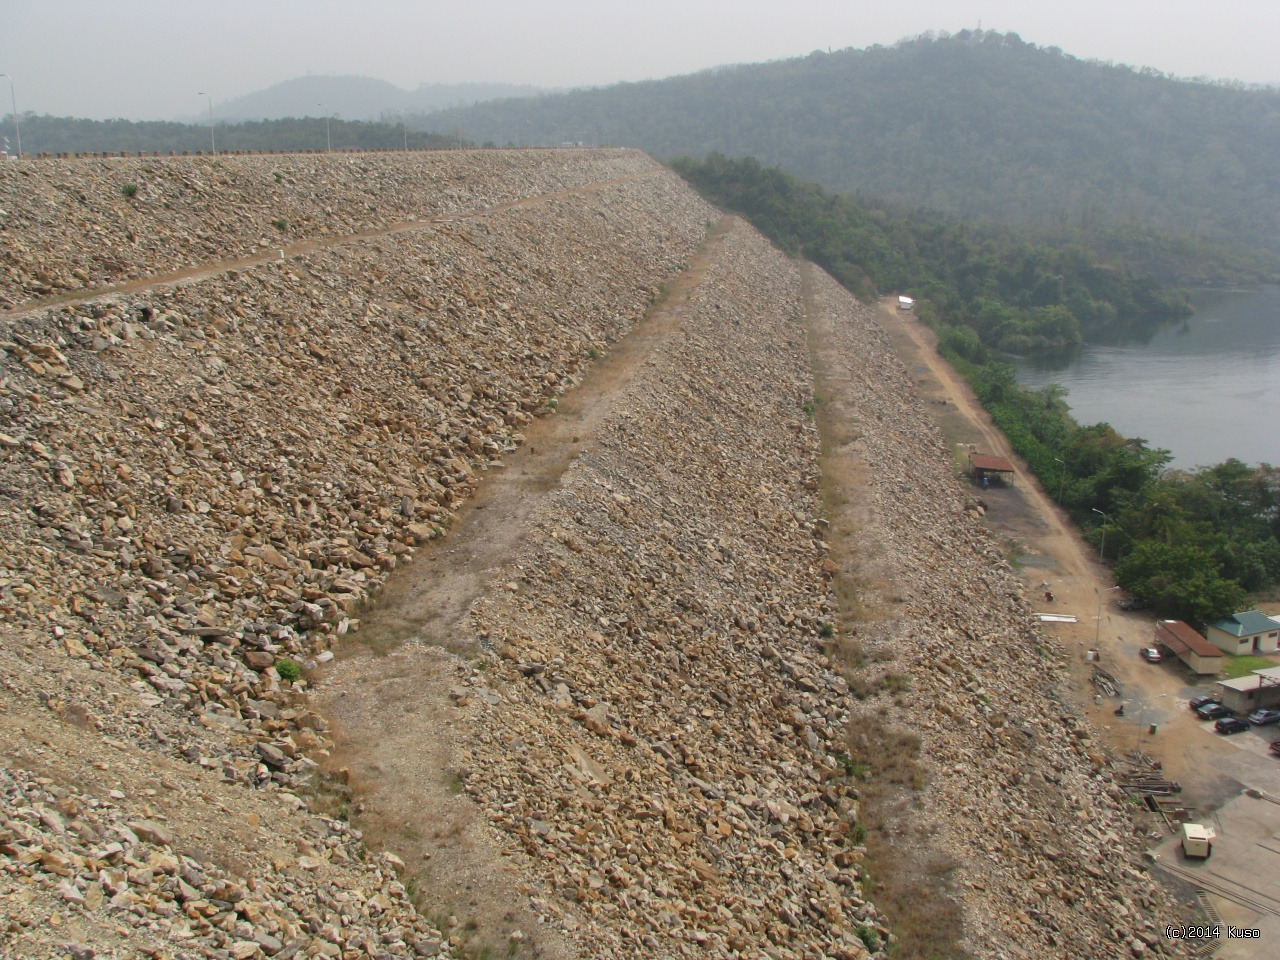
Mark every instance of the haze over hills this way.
pixel 359 98
pixel 977 124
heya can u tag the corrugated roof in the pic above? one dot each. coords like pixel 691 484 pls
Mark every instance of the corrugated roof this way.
pixel 1251 682
pixel 1247 624
pixel 988 461
pixel 1181 637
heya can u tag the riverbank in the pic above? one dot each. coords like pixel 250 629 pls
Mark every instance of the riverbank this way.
pixel 1224 361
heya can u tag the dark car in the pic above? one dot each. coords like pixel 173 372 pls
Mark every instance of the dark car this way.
pixel 1231 725
pixel 1195 703
pixel 1263 716
pixel 1213 711
pixel 1131 603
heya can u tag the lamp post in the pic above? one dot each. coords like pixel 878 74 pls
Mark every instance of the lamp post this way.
pixel 1062 479
pixel 327 147
pixel 17 131
pixel 1102 547
pixel 1097 632
pixel 213 143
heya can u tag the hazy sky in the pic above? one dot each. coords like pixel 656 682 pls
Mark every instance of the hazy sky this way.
pixel 147 59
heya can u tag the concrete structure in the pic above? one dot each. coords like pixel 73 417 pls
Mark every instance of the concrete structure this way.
pixel 1247 632
pixel 1243 694
pixel 1200 656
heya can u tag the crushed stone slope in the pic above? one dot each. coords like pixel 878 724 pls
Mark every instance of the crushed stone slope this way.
pixel 654 736
pixel 68 226
pixel 206 482
pixel 1018 807
pixel 203 479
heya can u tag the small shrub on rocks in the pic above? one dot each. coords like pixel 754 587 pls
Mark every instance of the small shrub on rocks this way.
pixel 288 670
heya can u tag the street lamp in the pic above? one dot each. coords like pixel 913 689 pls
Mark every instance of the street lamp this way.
pixel 1102 547
pixel 17 131
pixel 1097 632
pixel 1062 479
pixel 327 147
pixel 213 143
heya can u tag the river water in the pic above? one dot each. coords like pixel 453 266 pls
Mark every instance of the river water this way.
pixel 1205 390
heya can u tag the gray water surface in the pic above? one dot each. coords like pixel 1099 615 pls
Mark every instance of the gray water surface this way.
pixel 1205 390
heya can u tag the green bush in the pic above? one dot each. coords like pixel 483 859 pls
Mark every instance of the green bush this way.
pixel 288 670
pixel 129 190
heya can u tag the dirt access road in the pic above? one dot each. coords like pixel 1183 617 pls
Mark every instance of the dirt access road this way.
pixel 1212 770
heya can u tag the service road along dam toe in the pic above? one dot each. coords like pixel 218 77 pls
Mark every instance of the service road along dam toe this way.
pixel 504 553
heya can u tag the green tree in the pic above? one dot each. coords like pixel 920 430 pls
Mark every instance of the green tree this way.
pixel 1182 580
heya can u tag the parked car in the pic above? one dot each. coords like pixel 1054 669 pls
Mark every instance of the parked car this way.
pixel 1152 654
pixel 1131 603
pixel 1195 703
pixel 1212 711
pixel 1275 747
pixel 1263 716
pixel 1228 725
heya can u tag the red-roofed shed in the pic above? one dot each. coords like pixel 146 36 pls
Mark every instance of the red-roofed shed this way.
pixel 1189 646
pixel 985 465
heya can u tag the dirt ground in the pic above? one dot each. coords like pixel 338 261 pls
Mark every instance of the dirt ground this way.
pixel 1050 554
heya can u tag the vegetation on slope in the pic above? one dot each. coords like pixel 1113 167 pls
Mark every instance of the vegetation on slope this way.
pixel 979 124
pixel 1012 294
pixel 1192 542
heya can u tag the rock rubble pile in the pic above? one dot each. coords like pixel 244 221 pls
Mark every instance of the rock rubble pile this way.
pixel 1047 855
pixel 203 482
pixel 70 225
pixel 119 885
pixel 660 735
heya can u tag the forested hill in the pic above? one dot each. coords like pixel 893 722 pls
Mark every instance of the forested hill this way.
pixel 977 124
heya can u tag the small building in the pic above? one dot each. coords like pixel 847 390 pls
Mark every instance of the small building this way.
pixel 1243 694
pixel 1249 632
pixel 986 466
pixel 1185 643
pixel 906 303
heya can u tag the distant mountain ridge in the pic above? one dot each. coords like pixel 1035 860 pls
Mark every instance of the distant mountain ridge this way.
pixel 976 124
pixel 359 98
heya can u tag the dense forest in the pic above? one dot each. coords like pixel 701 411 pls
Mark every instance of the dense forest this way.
pixel 979 124
pixel 46 134
pixel 1014 294
pixel 1193 543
